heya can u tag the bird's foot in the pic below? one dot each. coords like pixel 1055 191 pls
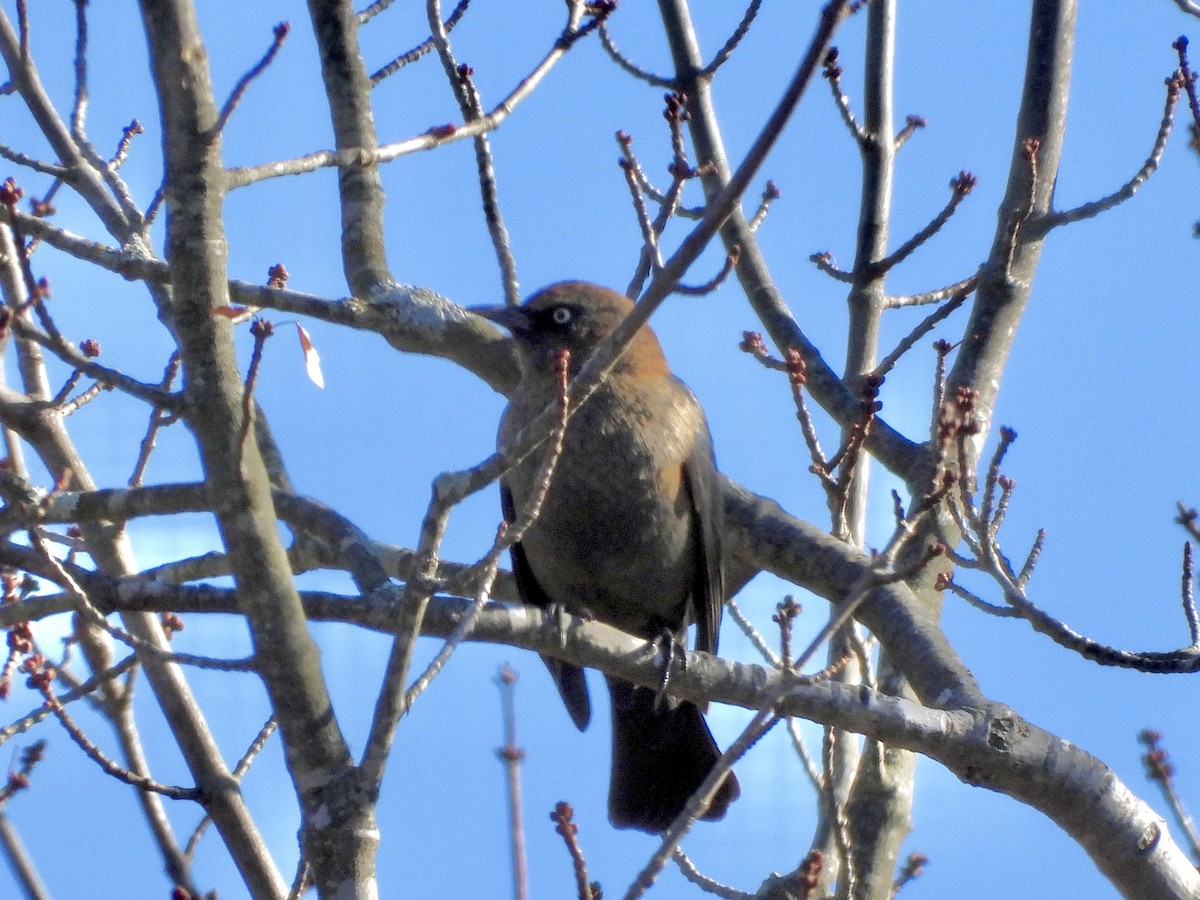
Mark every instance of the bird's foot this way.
pixel 672 647
pixel 557 615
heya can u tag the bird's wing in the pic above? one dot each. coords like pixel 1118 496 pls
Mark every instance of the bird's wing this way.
pixel 568 677
pixel 708 512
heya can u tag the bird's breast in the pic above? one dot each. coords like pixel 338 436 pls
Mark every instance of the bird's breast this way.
pixel 614 535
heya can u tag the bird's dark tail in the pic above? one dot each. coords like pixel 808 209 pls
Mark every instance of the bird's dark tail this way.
pixel 662 752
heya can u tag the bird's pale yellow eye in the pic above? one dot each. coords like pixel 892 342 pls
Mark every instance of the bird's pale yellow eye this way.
pixel 561 315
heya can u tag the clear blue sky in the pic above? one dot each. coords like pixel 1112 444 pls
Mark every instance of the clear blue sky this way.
pixel 1101 388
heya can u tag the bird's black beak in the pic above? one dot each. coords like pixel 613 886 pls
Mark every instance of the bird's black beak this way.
pixel 514 318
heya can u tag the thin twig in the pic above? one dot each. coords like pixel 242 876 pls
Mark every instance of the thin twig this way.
pixel 303 879
pixel 629 67
pixel 806 760
pixel 1187 591
pixel 1189 82
pixel 512 755
pixel 960 186
pixel 41 679
pixel 935 296
pixel 280 33
pixel 373 10
pixel 992 609
pixel 914 868
pixel 428 140
pixel 416 52
pixel 563 817
pixel 912 124
pixel 769 195
pixel 20 159
pixel 650 257
pixel 489 192
pixel 1128 189
pixel 833 74
pixel 127 135
pixel 239 772
pixel 82 399
pixel 261 329
pixel 1031 560
pixel 159 418
pixel 23 29
pixel 722 55
pixel 1161 771
pixel 699 290
pixel 833 811
pixel 756 638
pixel 21 862
pixel 483 573
pixel 84 689
pixel 702 881
pixel 824 262
pixel 922 328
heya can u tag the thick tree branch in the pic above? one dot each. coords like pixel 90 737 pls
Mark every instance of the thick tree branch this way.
pixel 336 831
pixel 889 446
pixel 982 742
pixel 1007 276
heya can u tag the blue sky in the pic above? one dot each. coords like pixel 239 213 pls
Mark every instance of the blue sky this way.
pixel 1100 387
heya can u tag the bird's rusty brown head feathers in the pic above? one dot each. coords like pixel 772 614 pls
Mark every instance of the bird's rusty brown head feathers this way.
pixel 574 316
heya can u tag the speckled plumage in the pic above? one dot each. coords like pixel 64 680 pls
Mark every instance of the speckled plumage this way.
pixel 630 532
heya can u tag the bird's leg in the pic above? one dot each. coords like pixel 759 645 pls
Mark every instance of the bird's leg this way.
pixel 671 643
pixel 557 615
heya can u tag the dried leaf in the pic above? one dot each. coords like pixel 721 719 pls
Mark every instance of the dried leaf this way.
pixel 312 359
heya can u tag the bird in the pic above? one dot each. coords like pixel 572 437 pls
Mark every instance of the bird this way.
pixel 629 533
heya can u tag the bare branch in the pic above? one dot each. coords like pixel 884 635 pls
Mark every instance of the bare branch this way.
pixel 472 108
pixel 563 817
pixel 911 125
pixel 824 262
pixel 416 52
pixel 235 96
pixel 41 678
pixel 21 862
pixel 756 638
pixel 960 186
pixel 770 193
pixel 1161 771
pixel 629 67
pixel 483 573
pixel 936 296
pixel 743 27
pixel 239 772
pixel 361 157
pixel 923 328
pixel 1189 518
pixel 1088 210
pixel 1187 590
pixel 702 881
pixel 833 74
pixel 979 528
pixel 713 283
pixel 29 162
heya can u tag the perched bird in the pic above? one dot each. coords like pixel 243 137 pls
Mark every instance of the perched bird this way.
pixel 629 533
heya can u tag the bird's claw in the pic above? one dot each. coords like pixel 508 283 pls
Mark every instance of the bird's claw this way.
pixel 673 650
pixel 557 615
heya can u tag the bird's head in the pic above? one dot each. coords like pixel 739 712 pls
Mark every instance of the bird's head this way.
pixel 573 316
